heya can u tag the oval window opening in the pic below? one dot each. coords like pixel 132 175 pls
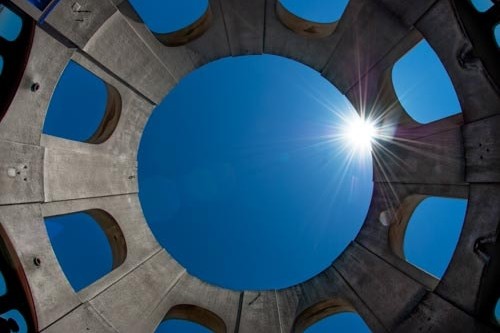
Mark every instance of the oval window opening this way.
pixel 482 5
pixel 341 322
pixel 254 175
pixel 496 34
pixel 319 11
pixel 78 105
pixel 15 321
pixel 81 247
pixel 165 16
pixel 423 86
pixel 432 233
pixel 10 24
pixel 184 326
pixel 3 286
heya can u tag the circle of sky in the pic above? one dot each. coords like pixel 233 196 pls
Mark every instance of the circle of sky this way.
pixel 239 180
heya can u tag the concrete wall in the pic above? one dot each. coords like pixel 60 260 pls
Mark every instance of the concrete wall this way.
pixel 453 157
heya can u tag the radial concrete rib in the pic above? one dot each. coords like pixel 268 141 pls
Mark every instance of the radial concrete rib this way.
pixel 178 60
pixel 138 240
pixel 479 97
pixel 24 118
pixel 324 295
pixel 372 33
pixel 52 295
pixel 244 22
pixel 280 40
pixel 71 174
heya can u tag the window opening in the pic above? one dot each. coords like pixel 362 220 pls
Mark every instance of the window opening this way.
pixel 432 233
pixel 340 322
pixel 184 326
pixel 10 24
pixel 319 11
pixel 78 105
pixel 496 34
pixel 1 65
pixel 81 247
pixel 423 86
pixel 14 321
pixel 165 16
pixel 3 286
pixel 482 5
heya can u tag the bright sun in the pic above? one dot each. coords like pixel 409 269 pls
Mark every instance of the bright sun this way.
pixel 359 133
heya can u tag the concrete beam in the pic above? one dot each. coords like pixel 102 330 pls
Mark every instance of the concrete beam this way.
pixel 75 173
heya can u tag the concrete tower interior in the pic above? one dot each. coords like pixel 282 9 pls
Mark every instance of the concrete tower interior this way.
pixel 43 176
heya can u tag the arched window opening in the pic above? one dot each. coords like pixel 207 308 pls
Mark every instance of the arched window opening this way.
pixel 3 286
pixel 432 233
pixel 179 325
pixel 482 5
pixel 496 34
pixel 193 316
pixel 340 322
pixel 423 86
pixel 166 16
pixel 78 107
pixel 14 321
pixel 319 11
pixel 40 4
pixel 81 247
pixel 10 24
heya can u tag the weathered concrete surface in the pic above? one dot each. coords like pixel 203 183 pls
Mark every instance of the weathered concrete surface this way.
pixel 52 294
pixel 24 121
pixel 22 170
pixel 70 174
pixel 454 157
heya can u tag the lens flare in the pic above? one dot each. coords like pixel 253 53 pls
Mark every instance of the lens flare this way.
pixel 359 134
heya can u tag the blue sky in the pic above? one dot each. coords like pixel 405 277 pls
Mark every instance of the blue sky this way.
pixel 239 177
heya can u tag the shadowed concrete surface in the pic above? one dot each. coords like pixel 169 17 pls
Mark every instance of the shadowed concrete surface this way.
pixel 42 175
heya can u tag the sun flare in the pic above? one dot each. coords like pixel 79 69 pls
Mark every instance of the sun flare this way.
pixel 359 133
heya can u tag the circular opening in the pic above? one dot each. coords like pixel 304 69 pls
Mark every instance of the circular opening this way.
pixel 249 176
